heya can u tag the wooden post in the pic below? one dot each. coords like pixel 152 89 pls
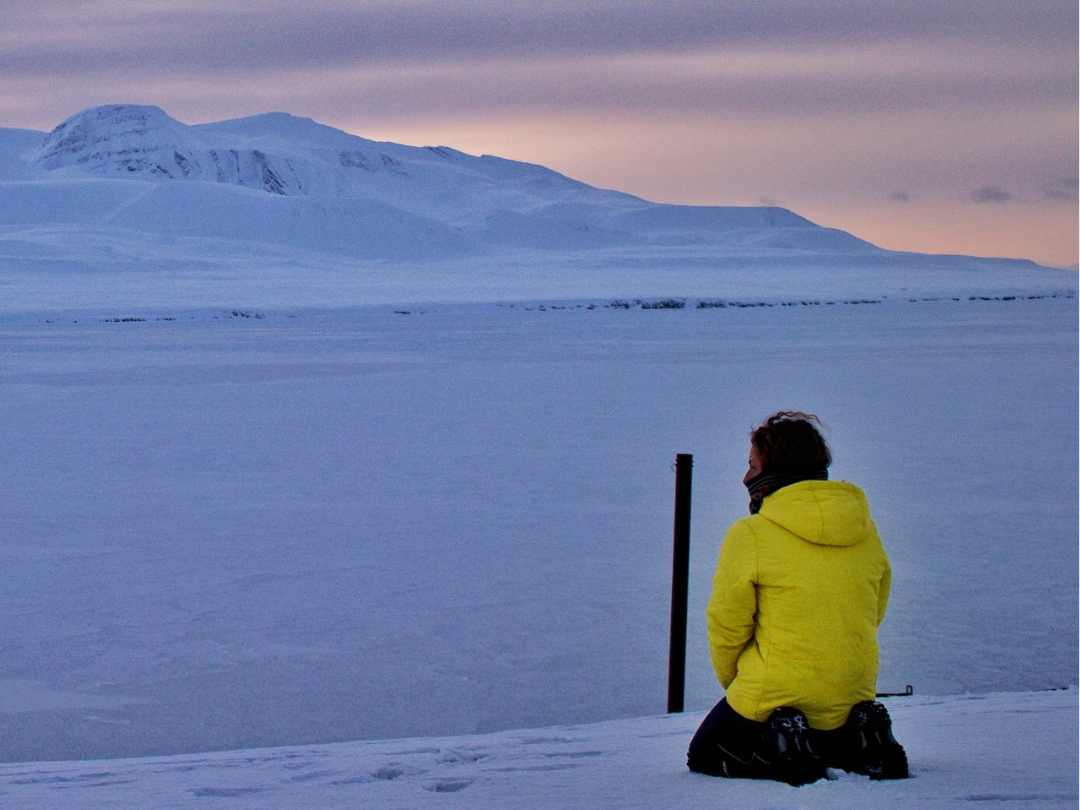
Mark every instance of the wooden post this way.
pixel 680 579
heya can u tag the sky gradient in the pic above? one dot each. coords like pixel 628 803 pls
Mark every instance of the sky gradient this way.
pixel 930 125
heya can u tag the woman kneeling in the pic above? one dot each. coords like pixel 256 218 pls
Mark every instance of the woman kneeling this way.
pixel 800 589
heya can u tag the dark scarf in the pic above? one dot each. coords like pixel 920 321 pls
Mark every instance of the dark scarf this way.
pixel 761 486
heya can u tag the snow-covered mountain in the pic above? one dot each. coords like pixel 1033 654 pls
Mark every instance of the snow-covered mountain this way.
pixel 125 188
pixel 219 179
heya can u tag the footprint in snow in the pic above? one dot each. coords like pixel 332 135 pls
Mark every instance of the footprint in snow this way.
pixel 223 793
pixel 389 772
pixel 448 785
pixel 458 755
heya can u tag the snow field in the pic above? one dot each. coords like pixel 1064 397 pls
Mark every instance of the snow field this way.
pixel 1010 751
pixel 227 532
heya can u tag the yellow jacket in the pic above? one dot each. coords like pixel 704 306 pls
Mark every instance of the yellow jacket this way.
pixel 799 592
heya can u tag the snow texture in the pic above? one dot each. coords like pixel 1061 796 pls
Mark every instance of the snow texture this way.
pixel 239 528
pixel 274 209
pixel 1008 752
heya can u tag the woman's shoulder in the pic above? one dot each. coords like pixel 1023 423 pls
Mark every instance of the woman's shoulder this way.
pixel 747 528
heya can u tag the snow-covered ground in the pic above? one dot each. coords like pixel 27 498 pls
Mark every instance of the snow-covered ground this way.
pixel 1005 751
pixel 227 529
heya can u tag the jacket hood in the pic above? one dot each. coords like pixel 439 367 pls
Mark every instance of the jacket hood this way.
pixel 826 513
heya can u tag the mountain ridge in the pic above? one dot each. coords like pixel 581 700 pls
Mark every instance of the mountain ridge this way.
pixel 123 203
pixel 493 199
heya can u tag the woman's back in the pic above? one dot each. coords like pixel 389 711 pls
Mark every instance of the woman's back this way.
pixel 799 592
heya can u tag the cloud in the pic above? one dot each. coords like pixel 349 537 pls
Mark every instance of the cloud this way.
pixel 436 58
pixel 991 194
pixel 60 35
pixel 900 196
pixel 812 84
pixel 1064 190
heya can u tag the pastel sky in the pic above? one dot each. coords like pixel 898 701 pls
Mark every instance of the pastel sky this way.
pixel 930 125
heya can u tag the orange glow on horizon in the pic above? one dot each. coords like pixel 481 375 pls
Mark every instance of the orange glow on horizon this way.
pixel 836 185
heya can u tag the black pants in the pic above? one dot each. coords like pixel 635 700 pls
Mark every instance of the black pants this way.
pixel 728 744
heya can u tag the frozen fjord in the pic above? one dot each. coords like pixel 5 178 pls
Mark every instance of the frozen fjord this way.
pixel 226 532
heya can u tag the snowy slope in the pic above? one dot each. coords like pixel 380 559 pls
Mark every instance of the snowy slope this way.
pixel 1006 751
pixel 284 155
pixel 496 201
pixel 123 203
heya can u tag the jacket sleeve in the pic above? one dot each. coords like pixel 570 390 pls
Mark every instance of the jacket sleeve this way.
pixel 885 583
pixel 883 592
pixel 733 605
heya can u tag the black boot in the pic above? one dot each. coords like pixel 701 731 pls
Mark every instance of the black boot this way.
pixel 728 744
pixel 786 742
pixel 869 747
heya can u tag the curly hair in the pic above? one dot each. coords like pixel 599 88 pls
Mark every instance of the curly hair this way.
pixel 788 443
